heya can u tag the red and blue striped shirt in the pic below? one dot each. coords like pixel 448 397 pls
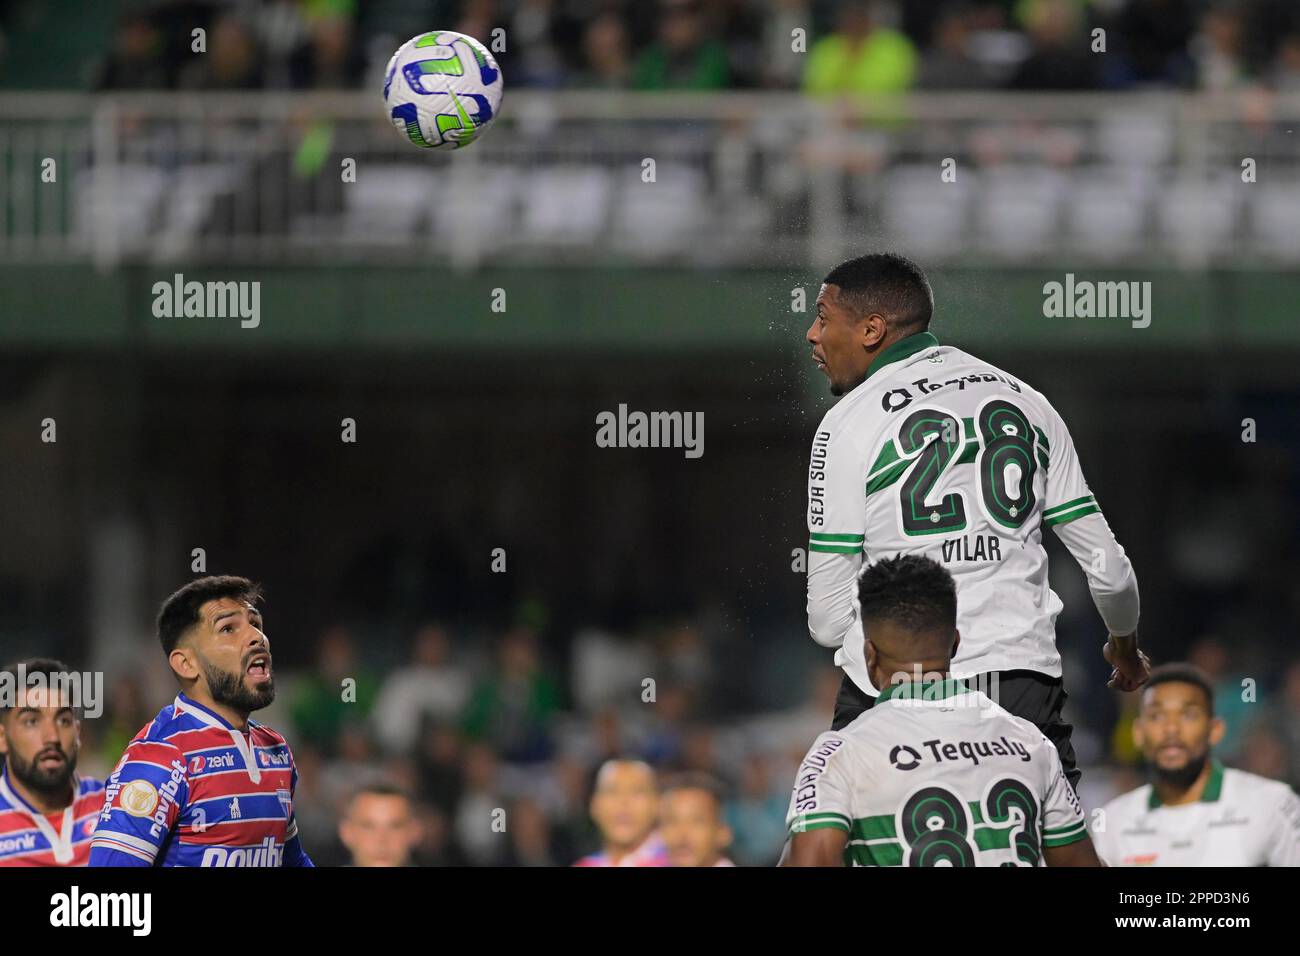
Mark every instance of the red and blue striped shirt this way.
pixel 193 790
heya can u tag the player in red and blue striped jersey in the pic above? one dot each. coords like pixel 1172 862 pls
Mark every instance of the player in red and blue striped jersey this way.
pixel 47 811
pixel 203 784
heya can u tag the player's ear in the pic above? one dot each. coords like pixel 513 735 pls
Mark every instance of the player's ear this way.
pixel 1137 730
pixel 1217 729
pixel 182 663
pixel 874 330
pixel 4 739
pixel 725 836
pixel 956 641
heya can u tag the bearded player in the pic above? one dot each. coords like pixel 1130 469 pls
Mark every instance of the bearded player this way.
pixel 933 451
pixel 1195 811
pixel 47 811
pixel 203 784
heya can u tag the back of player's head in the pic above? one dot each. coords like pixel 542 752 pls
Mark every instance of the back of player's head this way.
pixel 49 668
pixel 889 284
pixel 180 612
pixel 915 594
pixel 1180 673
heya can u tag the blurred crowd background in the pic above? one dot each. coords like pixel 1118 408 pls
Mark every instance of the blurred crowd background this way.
pixel 468 724
pixel 868 47
pixel 476 690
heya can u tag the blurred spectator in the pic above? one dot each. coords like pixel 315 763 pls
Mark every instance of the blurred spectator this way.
pixel 430 688
pixel 861 56
pixel 530 837
pixel 1155 35
pixel 684 57
pixel 1286 72
pixel 479 826
pixel 379 827
pixel 625 807
pixel 1218 50
pixel 330 58
pixel 757 814
pixel 1061 56
pixel 1230 699
pixel 439 767
pixel 781 65
pixel 353 762
pixel 541 39
pixel 232 60
pixel 606 60
pixel 436 846
pixel 512 708
pixel 136 61
pixel 949 65
pixel 691 822
pixel 341 689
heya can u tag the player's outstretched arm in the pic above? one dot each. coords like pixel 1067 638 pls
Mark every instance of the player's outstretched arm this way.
pixel 1078 853
pixel 824 847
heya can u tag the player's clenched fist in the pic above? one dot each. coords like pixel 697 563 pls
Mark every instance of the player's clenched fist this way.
pixel 1131 667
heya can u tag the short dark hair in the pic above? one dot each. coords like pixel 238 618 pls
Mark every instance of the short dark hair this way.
pixel 694 780
pixel 180 612
pixel 376 788
pixel 48 666
pixel 911 590
pixel 1180 673
pixel 887 283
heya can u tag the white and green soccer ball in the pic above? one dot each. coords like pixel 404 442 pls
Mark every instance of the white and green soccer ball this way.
pixel 442 89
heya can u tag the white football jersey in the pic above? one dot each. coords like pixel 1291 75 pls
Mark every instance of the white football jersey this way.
pixel 1241 820
pixel 940 453
pixel 937 774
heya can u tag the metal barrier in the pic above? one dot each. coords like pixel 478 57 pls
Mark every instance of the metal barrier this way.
pixel 737 180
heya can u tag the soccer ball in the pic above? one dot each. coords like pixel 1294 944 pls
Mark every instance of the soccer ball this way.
pixel 442 89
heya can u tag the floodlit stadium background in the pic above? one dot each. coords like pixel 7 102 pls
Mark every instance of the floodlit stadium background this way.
pixel 476 428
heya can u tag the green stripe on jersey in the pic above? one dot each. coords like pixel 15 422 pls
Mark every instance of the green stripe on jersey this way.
pixel 1068 506
pixel 820 821
pixel 816 536
pixel 1075 837
pixel 1067 516
pixel 834 548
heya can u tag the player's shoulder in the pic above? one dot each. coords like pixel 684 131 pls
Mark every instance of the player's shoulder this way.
pixel 88 785
pixel 160 731
pixel 1127 805
pixel 833 746
pixel 1242 783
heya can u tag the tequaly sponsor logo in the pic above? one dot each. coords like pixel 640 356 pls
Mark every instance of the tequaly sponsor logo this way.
pixel 264 854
